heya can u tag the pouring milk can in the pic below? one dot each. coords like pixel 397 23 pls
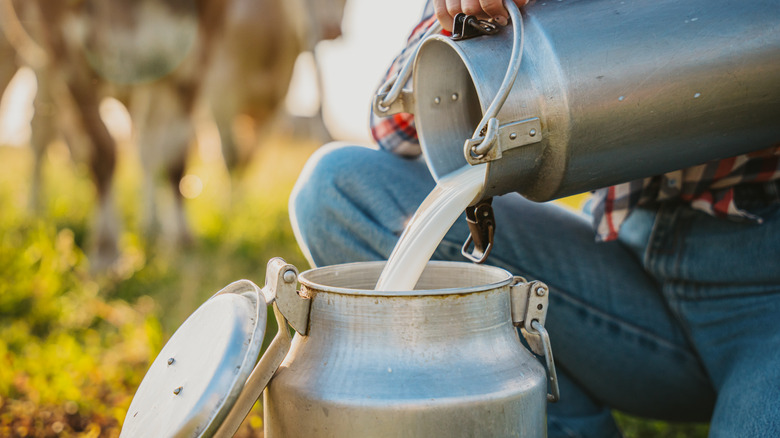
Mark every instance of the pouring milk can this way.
pixel 578 95
pixel 442 360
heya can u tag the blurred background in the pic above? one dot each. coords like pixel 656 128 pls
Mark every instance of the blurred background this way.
pixel 147 152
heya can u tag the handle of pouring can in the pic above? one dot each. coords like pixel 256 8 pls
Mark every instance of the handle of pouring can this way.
pixel 485 136
pixel 390 100
pixel 280 290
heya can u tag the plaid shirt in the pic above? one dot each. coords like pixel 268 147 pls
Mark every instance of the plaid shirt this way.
pixel 708 187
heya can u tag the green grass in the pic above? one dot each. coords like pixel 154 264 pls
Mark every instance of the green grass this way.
pixel 74 345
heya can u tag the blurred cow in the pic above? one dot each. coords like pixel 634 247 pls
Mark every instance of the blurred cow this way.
pixel 153 56
pixel 244 84
pixel 123 48
pixel 8 62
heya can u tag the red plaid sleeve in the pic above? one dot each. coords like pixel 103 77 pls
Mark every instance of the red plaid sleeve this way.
pixel 709 187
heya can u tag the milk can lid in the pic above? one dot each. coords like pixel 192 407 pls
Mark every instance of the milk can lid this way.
pixel 197 377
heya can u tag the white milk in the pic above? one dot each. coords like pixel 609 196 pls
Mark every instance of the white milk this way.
pixel 427 228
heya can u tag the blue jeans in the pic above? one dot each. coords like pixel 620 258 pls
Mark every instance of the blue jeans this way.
pixel 678 320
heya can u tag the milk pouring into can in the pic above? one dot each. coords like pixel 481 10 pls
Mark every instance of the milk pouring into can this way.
pixel 428 226
pixel 444 358
pixel 432 351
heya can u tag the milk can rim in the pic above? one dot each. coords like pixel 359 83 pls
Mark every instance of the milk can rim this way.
pixel 318 287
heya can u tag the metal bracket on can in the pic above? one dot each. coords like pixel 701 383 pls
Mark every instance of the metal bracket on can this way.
pixel 280 289
pixel 486 135
pixel 499 139
pixel 529 312
pixel 289 308
pixel 404 103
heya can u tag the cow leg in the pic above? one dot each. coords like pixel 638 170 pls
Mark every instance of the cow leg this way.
pixel 163 131
pixel 43 130
pixel 186 93
pixel 224 110
pixel 70 65
pixel 226 100
pixel 8 66
pixel 140 105
pixel 175 172
pixel 102 164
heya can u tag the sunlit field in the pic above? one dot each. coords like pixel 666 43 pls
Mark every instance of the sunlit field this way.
pixel 75 345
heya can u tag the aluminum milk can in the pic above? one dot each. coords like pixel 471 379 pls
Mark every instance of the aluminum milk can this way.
pixel 442 360
pixel 578 95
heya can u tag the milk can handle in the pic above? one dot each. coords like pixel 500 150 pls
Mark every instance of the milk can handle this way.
pixel 390 91
pixel 486 134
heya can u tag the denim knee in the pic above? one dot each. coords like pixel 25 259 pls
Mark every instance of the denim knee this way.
pixel 312 199
pixel 351 203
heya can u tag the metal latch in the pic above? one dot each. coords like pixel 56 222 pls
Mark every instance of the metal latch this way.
pixel 290 308
pixel 495 140
pixel 529 303
pixel 529 312
pixel 482 226
pixel 281 279
pixel 468 26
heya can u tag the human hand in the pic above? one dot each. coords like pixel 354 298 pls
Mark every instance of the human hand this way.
pixel 483 9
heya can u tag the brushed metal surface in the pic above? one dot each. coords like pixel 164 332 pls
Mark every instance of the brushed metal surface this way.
pixel 623 89
pixel 443 360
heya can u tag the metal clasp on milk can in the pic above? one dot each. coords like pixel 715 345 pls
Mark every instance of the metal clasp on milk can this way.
pixel 482 226
pixel 529 311
pixel 207 377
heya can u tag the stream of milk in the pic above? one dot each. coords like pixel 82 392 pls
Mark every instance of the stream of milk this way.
pixel 453 193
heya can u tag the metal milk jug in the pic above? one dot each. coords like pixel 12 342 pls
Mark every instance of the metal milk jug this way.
pixel 442 360
pixel 578 95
